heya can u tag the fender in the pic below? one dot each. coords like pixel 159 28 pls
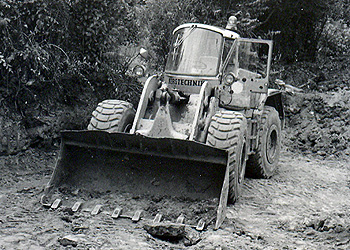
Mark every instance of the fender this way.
pixel 274 99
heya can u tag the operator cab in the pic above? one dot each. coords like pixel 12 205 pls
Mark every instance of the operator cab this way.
pixel 237 66
pixel 197 50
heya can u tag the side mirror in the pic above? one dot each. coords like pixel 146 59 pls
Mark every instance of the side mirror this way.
pixel 144 53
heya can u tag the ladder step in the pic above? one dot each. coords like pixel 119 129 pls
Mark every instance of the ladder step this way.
pixel 56 203
pixel 76 206
pixel 158 218
pixel 117 212
pixel 96 210
pixel 180 219
pixel 137 216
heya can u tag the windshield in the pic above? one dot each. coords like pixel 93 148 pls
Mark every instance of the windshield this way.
pixel 195 51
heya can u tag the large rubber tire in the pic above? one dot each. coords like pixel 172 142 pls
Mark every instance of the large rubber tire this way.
pixel 228 130
pixel 263 163
pixel 112 116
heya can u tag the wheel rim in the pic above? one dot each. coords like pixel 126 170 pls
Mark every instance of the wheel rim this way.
pixel 272 144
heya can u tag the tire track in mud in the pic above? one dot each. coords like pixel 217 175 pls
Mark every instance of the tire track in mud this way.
pixel 304 205
pixel 25 224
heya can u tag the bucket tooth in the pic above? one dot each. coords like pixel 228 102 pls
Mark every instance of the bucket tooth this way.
pixel 200 226
pixel 116 213
pixel 44 201
pixel 76 206
pixel 180 219
pixel 96 210
pixel 56 203
pixel 158 218
pixel 137 216
pixel 83 152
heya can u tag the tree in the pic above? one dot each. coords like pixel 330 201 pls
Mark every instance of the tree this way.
pixel 298 25
pixel 54 48
pixel 294 25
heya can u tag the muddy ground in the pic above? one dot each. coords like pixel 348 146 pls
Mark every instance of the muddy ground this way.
pixel 304 206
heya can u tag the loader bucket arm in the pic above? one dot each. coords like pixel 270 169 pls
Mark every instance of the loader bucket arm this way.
pixel 139 165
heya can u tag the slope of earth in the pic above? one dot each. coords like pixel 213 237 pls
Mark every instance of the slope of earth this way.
pixel 304 206
pixel 318 122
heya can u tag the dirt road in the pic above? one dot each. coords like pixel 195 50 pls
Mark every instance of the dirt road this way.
pixel 304 206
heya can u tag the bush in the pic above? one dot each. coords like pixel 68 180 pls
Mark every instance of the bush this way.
pixel 53 49
pixel 335 39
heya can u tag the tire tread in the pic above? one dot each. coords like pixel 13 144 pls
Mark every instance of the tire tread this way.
pixel 108 114
pixel 223 133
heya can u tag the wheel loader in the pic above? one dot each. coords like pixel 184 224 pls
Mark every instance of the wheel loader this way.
pixel 199 127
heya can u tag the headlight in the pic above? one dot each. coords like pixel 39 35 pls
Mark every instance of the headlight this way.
pixel 229 79
pixel 138 71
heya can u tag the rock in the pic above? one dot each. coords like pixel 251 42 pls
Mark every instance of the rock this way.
pixel 77 228
pixel 72 240
pixel 310 232
pixel 317 223
pixel 308 222
pixel 166 231
pixel 192 237
pixel 334 223
pixel 321 153
pixel 68 241
pixel 66 219
pixel 321 223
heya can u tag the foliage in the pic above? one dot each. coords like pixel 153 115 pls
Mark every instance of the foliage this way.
pixel 299 27
pixel 295 26
pixel 54 49
pixel 335 39
pixel 164 16
pixel 58 46
pixel 339 10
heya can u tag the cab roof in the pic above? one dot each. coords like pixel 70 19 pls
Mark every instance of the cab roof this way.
pixel 226 33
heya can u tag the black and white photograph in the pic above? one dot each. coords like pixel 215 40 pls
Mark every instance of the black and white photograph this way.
pixel 174 124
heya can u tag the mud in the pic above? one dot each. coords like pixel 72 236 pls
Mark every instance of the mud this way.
pixel 303 206
pixel 318 123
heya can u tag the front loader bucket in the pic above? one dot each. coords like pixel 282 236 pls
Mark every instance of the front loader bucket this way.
pixel 122 163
